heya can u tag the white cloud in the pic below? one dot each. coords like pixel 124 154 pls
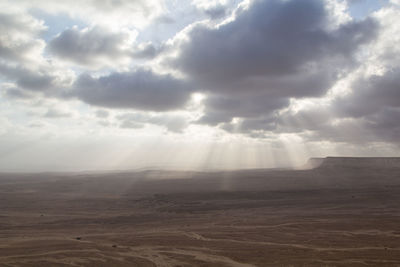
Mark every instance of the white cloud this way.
pixel 111 13
pixel 19 37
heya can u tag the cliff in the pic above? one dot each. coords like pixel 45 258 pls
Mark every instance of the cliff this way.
pixel 353 162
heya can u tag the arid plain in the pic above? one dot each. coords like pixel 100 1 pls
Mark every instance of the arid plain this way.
pixel 345 212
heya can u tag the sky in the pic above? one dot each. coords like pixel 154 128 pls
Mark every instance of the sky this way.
pixel 196 84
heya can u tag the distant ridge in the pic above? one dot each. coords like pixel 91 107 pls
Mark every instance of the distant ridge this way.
pixel 353 162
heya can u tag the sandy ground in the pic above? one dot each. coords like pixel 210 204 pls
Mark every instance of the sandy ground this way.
pixel 329 216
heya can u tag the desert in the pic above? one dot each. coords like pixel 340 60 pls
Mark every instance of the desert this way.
pixel 340 212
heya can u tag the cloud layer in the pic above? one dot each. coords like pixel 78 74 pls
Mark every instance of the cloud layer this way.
pixel 263 69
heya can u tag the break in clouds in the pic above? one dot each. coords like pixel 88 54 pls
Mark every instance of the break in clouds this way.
pixel 259 69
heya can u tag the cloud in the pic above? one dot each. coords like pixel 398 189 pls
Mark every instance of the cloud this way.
pixel 128 124
pixel 146 51
pixel 115 14
pixel 370 95
pixel 18 36
pixel 98 47
pixel 92 46
pixel 140 89
pixel 172 122
pixel 375 101
pixel 269 39
pixel 56 113
pixel 16 93
pixel 101 113
pixel 369 108
pixel 216 9
pixel 165 19
pixel 45 78
pixel 216 12
pixel 270 52
pixel 222 108
pixel 21 57
pixel 369 113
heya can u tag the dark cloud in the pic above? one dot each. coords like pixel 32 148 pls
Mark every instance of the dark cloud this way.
pixel 311 119
pixel 98 47
pixel 271 39
pixel 376 102
pixel 140 89
pixel 369 113
pixel 272 51
pixel 89 46
pixel 17 93
pixel 385 125
pixel 370 95
pixel 146 51
pixel 222 108
pixel 37 79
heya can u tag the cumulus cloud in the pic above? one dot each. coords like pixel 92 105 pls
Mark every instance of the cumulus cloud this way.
pixel 376 102
pixel 93 46
pixel 368 113
pixel 45 78
pixel 270 52
pixel 370 95
pixel 146 51
pixel 269 38
pixel 18 36
pixel 140 89
pixel 98 47
pixel 369 109
pixel 21 57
